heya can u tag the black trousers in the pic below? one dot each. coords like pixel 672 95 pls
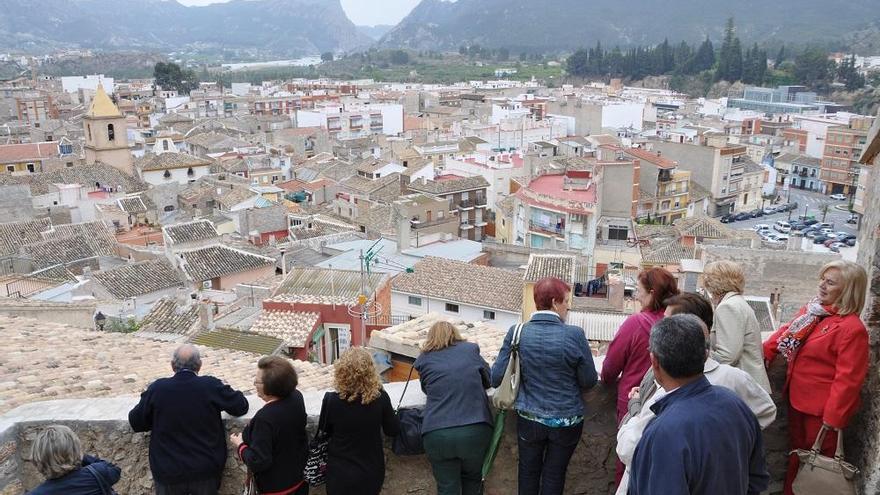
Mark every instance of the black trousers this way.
pixel 208 486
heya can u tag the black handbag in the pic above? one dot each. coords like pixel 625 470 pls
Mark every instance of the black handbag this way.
pixel 315 471
pixel 409 440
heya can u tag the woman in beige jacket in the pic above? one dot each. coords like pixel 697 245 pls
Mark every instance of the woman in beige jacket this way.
pixel 736 335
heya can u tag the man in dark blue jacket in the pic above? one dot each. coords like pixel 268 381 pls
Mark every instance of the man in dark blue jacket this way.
pixel 704 440
pixel 188 442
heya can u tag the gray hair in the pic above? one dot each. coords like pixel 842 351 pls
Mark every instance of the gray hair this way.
pixel 679 344
pixel 56 451
pixel 186 357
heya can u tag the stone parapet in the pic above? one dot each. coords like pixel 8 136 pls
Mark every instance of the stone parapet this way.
pixel 103 428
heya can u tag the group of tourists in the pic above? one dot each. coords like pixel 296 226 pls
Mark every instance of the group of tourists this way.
pixel 692 398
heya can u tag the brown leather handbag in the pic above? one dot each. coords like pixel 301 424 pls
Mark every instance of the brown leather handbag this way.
pixel 823 475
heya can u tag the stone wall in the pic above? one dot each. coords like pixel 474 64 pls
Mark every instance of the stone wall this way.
pixel 103 428
pixel 80 315
pixel 864 433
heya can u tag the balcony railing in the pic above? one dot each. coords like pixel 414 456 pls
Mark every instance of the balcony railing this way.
pixel 480 201
pixel 465 204
pixel 549 229
pixel 421 224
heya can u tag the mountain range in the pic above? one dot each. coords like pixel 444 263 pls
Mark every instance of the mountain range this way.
pixel 310 27
pixel 550 25
pixel 280 27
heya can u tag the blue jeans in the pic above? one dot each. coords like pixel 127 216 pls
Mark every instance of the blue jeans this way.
pixel 544 453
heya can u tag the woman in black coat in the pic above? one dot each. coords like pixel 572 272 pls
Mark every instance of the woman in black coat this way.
pixel 355 416
pixel 274 445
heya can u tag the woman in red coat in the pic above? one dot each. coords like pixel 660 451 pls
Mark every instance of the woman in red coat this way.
pixel 826 347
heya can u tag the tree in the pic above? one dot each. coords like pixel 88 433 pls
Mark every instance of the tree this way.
pixel 704 58
pixel 823 208
pixel 849 75
pixel 754 66
pixel 399 57
pixel 327 57
pixel 171 76
pixel 577 63
pixel 730 61
pixel 812 68
pixel 462 50
pixel 780 57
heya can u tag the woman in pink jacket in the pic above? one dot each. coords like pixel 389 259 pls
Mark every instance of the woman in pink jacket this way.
pixel 627 358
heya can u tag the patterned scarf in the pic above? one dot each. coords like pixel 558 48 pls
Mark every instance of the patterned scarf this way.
pixel 801 327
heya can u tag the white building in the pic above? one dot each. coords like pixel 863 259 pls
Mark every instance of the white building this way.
pixel 72 84
pixel 354 120
pixel 496 168
pixel 464 290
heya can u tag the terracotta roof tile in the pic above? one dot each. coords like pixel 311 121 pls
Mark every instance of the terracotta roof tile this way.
pixel 140 278
pixel 465 283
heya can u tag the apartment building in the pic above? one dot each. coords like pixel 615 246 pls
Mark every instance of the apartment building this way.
pixel 840 158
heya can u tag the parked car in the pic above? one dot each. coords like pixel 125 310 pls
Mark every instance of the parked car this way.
pixel 810 221
pixel 791 206
pixel 819 239
pixel 726 218
pixel 770 210
pixel 761 226
pixel 826 225
pixel 852 220
pixel 838 196
pixel 835 248
pixel 756 213
pixel 811 234
pixel 826 230
pixel 742 216
pixel 844 235
pixel 782 226
pixel 851 242
pixel 830 241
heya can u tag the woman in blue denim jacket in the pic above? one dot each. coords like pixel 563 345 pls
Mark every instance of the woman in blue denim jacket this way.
pixel 556 366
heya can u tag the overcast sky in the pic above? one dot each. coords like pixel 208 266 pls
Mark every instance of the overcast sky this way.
pixel 361 12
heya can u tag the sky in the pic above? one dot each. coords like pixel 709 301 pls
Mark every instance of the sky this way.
pixel 361 12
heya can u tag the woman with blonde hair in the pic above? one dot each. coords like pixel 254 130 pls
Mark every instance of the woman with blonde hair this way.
pixel 826 348
pixel 736 336
pixel 354 416
pixel 57 453
pixel 457 421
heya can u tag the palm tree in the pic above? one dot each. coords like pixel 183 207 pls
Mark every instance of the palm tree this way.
pixel 824 207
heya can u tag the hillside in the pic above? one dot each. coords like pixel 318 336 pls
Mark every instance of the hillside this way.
pixel 274 27
pixel 565 24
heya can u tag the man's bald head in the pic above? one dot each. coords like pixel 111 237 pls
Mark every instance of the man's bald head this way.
pixel 186 357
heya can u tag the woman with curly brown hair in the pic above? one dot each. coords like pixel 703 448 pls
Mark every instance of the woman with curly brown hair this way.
pixel 354 416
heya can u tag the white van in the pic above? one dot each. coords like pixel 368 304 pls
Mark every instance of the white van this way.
pixel 782 226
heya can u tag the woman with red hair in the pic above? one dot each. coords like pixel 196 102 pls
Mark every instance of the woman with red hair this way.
pixel 556 365
pixel 627 358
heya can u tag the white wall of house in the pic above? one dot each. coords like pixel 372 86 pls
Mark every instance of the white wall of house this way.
pixel 623 115
pixel 400 305
pixel 179 175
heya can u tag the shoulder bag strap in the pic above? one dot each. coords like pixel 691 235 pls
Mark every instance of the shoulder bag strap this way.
pixel 517 333
pixel 408 378
pixel 322 422
pixel 102 483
